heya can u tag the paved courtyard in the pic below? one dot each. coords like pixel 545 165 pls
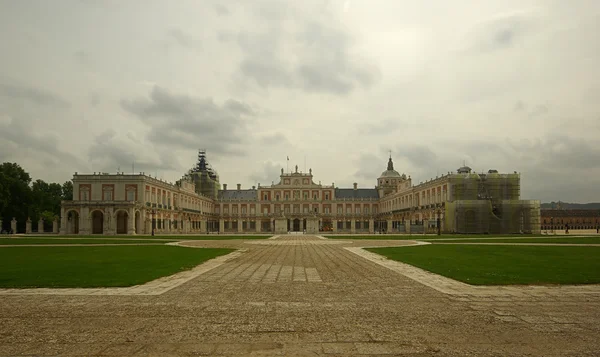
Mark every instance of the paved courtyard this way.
pixel 302 296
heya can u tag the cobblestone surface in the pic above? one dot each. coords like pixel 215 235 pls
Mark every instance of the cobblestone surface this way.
pixel 303 298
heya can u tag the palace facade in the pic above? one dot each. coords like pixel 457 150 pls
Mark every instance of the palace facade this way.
pixel 461 202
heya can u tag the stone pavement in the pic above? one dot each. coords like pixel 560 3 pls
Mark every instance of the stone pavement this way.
pixel 303 296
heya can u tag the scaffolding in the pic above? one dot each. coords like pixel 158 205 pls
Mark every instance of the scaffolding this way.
pixel 204 177
pixel 489 204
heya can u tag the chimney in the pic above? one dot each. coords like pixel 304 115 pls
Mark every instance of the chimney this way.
pixel 224 187
pixel 254 187
pixel 239 186
pixel 355 185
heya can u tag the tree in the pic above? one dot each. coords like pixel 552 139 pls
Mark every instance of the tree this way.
pixel 67 191
pixel 15 194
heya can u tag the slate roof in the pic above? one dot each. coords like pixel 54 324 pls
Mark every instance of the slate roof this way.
pixel 546 213
pixel 358 193
pixel 244 195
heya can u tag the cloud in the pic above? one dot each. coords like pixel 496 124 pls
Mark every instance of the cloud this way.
pixel 183 39
pixel 274 139
pixel 312 55
pixel 268 172
pixel 33 95
pixel 221 9
pixel 111 150
pixel 502 31
pixel 177 120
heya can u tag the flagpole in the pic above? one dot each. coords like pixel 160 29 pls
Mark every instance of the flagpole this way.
pixel 287 166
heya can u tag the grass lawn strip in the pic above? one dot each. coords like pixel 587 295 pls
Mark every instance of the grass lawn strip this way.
pixel 56 241
pixel 558 240
pixel 427 236
pixel 91 267
pixel 503 265
pixel 162 237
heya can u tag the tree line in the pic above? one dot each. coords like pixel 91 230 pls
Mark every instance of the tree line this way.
pixel 22 198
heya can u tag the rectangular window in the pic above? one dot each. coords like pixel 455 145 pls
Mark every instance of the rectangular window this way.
pixel 85 195
pixel 130 195
pixel 108 195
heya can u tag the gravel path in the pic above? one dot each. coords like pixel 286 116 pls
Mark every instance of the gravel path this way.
pixel 303 296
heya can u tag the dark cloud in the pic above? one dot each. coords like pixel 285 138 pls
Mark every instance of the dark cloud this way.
pixel 501 32
pixel 221 10
pixel 188 122
pixel 370 166
pixel 26 114
pixel 38 96
pixel 322 59
pixel 110 151
pixel 184 39
pixel 267 173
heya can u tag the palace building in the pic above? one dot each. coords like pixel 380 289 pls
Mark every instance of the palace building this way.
pixel 461 202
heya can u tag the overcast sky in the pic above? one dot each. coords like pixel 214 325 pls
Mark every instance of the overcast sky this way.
pixel 511 85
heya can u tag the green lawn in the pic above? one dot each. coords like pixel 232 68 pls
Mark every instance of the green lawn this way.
pixel 87 267
pixel 428 236
pixel 557 240
pixel 23 241
pixel 168 237
pixel 503 265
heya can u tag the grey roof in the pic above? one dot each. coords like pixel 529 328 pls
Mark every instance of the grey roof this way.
pixel 390 173
pixel 244 195
pixel 358 193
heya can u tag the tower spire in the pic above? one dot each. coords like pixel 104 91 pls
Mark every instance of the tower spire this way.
pixel 390 164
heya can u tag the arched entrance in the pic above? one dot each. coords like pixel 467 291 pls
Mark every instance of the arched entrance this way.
pixel 122 222
pixel 72 222
pixel 97 222
pixel 296 225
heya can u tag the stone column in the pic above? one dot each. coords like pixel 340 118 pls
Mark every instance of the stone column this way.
pixel 371 226
pixel 13 225
pixel 239 224
pixel 389 226
pixel 221 225
pixel 28 226
pixel 41 225
pixel 55 225
pixel 334 225
pixel 353 226
pixel 63 222
pixel 302 228
pixel 131 221
pixel 257 226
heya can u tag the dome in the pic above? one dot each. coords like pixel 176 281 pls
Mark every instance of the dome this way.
pixel 390 173
pixel 464 170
